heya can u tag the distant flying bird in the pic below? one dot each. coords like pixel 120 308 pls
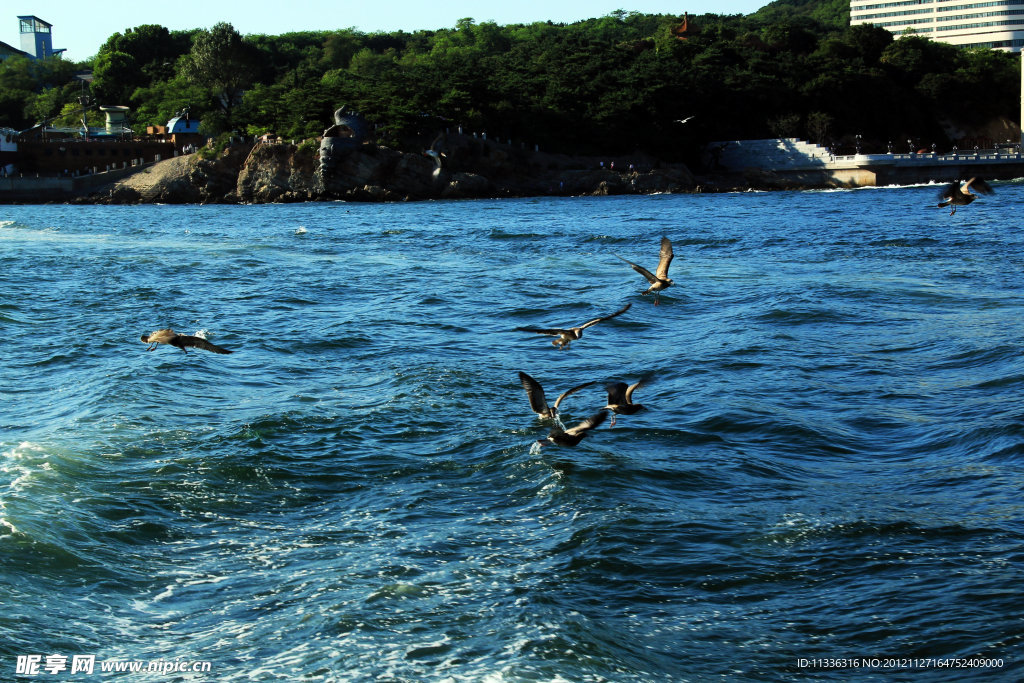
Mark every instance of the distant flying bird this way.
pixel 660 279
pixel 956 195
pixel 684 120
pixel 179 341
pixel 436 154
pixel 566 336
pixel 571 437
pixel 620 399
pixel 535 393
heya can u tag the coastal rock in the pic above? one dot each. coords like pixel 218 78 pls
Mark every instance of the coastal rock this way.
pixel 670 179
pixel 471 168
pixel 277 173
pixel 467 186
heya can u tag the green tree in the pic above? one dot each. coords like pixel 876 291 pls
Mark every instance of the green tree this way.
pixel 221 62
pixel 160 102
pixel 115 77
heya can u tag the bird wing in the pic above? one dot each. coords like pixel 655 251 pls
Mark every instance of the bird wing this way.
pixel 541 330
pixel 951 191
pixel 616 393
pixel 640 269
pixel 978 185
pixel 631 389
pixel 594 420
pixel 535 393
pixel 665 258
pixel 200 343
pixel 606 317
pixel 570 392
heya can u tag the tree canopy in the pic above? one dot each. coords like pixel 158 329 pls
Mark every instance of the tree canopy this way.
pixel 608 85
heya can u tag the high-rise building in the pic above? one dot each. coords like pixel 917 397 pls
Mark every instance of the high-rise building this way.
pixel 970 23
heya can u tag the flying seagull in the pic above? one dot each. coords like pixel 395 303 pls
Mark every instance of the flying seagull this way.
pixel 180 341
pixel 956 195
pixel 538 403
pixel 566 336
pixel 684 120
pixel 435 153
pixel 572 436
pixel 620 399
pixel 660 279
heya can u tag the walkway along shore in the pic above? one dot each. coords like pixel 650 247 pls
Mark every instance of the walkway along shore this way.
pixel 787 162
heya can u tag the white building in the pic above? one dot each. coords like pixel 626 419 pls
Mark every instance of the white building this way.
pixel 970 23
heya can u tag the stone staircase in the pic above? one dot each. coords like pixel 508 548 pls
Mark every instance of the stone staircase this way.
pixel 775 154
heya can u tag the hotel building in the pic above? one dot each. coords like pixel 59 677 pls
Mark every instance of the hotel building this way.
pixel 969 23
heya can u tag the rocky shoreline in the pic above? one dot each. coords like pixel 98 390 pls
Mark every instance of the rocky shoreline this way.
pixel 283 172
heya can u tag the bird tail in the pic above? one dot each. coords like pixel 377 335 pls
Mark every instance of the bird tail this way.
pixel 941 204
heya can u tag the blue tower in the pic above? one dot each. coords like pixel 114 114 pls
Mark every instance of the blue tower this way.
pixel 36 39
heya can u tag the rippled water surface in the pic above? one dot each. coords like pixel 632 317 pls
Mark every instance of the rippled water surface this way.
pixel 829 466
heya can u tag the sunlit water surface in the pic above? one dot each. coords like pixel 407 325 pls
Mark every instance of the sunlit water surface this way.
pixel 829 466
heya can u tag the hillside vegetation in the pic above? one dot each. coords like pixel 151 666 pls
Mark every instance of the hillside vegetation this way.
pixel 608 85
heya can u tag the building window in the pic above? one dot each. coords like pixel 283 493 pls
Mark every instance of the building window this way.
pixel 33 26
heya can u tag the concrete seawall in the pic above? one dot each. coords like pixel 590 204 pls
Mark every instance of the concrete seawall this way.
pixel 790 161
pixel 33 189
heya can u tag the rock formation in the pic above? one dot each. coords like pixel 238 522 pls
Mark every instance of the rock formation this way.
pixel 473 167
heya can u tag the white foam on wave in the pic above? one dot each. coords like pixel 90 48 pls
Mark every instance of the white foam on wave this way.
pixel 16 469
pixel 15 462
pixel 167 592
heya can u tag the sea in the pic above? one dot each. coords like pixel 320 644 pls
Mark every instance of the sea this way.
pixel 825 483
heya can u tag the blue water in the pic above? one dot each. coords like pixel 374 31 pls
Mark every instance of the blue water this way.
pixel 830 466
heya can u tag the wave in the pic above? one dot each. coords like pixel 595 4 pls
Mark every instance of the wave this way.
pixel 500 234
pixel 802 316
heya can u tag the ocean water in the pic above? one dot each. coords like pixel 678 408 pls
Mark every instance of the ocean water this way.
pixel 826 483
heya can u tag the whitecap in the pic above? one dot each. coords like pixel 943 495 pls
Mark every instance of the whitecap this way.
pixel 167 592
pixel 13 463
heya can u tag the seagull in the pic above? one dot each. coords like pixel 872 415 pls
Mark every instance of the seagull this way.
pixel 572 436
pixel 660 280
pixel 620 399
pixel 435 153
pixel 538 403
pixel 955 195
pixel 180 341
pixel 566 336
pixel 684 120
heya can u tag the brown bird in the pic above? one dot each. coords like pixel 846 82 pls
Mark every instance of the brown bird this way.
pixel 572 436
pixel 538 403
pixel 620 399
pixel 659 280
pixel 956 195
pixel 180 341
pixel 566 336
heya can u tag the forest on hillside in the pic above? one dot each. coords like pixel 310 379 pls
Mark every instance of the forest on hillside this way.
pixel 609 85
